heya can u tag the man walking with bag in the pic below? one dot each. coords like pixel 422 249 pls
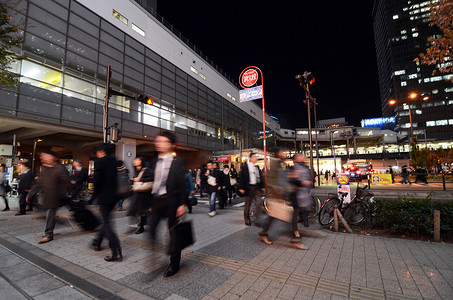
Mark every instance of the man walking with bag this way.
pixel 168 193
pixel 25 182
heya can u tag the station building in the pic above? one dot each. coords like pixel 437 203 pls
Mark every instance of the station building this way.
pixel 68 45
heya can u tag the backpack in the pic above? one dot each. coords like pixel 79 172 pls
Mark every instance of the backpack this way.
pixel 123 182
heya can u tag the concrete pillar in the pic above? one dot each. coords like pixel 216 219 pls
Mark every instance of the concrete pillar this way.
pixel 355 145
pixel 126 150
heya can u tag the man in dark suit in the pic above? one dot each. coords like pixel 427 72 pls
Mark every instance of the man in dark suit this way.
pixel 52 185
pixel 168 193
pixel 78 178
pixel 25 182
pixel 250 184
pixel 105 186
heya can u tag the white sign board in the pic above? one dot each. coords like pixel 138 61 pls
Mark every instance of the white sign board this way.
pixel 251 94
pixel 343 187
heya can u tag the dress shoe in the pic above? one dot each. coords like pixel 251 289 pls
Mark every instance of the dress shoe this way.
pixel 141 229
pixel 248 223
pixel 306 224
pixel 265 240
pixel 45 240
pixel 21 213
pixel 114 257
pixel 299 246
pixel 30 209
pixel 171 271
pixel 6 209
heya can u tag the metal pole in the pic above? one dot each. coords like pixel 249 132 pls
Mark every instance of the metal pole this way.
pixel 307 94
pixel 264 137
pixel 106 104
pixel 410 120
pixel 33 157
pixel 317 148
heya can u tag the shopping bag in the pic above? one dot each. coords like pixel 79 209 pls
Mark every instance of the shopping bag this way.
pixel 279 209
pixel 183 235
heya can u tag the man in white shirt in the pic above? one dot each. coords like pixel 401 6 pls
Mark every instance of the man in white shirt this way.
pixel 251 182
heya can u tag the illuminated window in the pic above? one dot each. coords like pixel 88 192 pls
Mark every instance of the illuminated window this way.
pixel 403 83
pixel 450 122
pixel 404 37
pixel 435 91
pixel 415 34
pixel 202 76
pixel 400 72
pixel 430 123
pixel 412 76
pixel 120 17
pixel 395 17
pixel 228 95
pixel 449 90
pixel 138 30
pixel 441 122
pixel 194 70
pixel 234 99
pixel 439 103
pixel 403 31
pixel 418 112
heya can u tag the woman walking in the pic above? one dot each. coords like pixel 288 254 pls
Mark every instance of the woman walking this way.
pixel 2 187
pixel 141 200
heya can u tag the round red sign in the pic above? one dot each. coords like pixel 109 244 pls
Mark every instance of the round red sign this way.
pixel 249 77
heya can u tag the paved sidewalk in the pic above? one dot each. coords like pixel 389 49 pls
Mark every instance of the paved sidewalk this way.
pixel 226 262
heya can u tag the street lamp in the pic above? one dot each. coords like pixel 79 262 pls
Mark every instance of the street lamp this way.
pixel 411 96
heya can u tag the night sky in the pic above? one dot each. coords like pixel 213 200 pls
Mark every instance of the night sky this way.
pixel 332 39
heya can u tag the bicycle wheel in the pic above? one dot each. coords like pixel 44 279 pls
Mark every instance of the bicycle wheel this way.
pixel 353 213
pixel 316 206
pixel 325 216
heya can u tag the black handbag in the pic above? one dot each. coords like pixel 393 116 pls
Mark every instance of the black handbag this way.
pixel 193 201
pixel 7 187
pixel 183 235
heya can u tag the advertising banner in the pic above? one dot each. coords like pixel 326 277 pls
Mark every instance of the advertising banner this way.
pixel 381 178
pixel 344 187
pixel 223 158
pixel 251 94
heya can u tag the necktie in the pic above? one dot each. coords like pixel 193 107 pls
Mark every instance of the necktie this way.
pixel 163 176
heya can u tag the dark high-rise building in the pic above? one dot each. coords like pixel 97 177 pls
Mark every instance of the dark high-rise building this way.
pixel 401 30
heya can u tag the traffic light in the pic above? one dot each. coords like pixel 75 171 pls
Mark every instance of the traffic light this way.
pixel 306 79
pixel 143 98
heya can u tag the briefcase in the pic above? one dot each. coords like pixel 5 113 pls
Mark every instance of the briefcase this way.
pixel 193 201
pixel 183 235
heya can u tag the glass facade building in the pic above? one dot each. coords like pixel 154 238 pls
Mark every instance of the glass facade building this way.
pixel 401 31
pixel 68 47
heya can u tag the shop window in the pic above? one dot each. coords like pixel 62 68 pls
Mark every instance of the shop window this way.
pixel 120 17
pixel 41 76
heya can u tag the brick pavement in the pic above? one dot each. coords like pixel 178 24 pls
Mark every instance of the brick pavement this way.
pixel 228 262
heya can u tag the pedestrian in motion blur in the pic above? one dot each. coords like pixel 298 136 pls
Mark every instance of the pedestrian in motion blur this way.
pixel 168 193
pixel 405 174
pixel 78 178
pixel 52 186
pixel 2 187
pixel 212 178
pixel 141 201
pixel 105 188
pixel 250 185
pixel 26 178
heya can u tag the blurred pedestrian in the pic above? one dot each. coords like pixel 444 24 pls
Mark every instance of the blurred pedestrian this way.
pixel 225 187
pixel 212 178
pixel 189 190
pixel 392 174
pixel 300 196
pixel 203 182
pixel 2 187
pixel 234 178
pixel 123 172
pixel 79 177
pixel 250 185
pixel 26 178
pixel 52 186
pixel 405 174
pixel 168 193
pixel 141 201
pixel 105 190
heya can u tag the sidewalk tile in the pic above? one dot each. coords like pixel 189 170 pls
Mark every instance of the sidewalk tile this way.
pixel 39 284
pixel 65 292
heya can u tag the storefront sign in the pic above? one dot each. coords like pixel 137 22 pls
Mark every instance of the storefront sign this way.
pixel 224 158
pixel 381 179
pixel 379 122
pixel 344 187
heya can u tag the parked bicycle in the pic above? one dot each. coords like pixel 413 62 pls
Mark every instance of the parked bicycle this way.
pixel 352 211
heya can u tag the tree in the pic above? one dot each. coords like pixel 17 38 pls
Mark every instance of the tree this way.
pixel 441 51
pixel 9 39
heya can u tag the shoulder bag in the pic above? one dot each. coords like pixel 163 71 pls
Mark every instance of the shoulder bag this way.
pixel 139 186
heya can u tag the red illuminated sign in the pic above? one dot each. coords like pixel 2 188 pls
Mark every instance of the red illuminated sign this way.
pixel 224 158
pixel 249 77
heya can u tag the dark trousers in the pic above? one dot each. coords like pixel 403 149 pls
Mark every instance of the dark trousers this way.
pixel 161 209
pixel 22 203
pixel 50 222
pixel 107 230
pixel 6 201
pixel 254 194
pixel 222 198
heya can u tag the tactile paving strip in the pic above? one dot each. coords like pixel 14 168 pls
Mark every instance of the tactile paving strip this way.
pixel 314 283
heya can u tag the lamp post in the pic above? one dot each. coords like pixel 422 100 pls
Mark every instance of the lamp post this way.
pixel 411 96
